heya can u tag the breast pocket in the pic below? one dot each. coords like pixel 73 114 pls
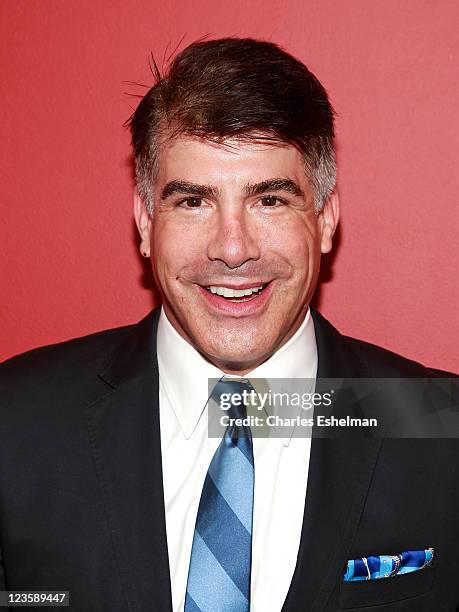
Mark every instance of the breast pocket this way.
pixel 386 590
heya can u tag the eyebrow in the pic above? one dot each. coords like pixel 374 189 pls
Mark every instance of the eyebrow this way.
pixel 204 191
pixel 250 190
pixel 274 184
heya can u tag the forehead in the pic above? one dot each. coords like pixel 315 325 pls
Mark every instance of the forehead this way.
pixel 233 161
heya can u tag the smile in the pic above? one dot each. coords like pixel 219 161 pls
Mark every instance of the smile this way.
pixel 246 299
pixel 236 295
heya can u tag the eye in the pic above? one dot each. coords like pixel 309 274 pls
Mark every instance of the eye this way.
pixel 193 202
pixel 271 201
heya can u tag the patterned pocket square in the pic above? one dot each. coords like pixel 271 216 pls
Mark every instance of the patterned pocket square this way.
pixel 386 566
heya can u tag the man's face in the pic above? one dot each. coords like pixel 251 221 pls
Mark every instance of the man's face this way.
pixel 235 246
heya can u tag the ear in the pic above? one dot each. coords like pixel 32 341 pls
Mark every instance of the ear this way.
pixel 143 222
pixel 328 222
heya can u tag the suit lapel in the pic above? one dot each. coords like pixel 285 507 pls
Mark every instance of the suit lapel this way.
pixel 124 434
pixel 340 472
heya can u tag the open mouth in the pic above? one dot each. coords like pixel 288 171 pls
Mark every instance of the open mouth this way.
pixel 237 295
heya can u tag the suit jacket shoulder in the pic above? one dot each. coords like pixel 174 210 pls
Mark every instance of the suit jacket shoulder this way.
pixel 63 354
pixel 369 359
pixel 64 369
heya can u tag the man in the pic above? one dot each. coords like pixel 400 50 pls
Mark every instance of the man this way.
pixel 110 486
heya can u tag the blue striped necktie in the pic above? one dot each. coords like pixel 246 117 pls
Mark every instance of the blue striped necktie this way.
pixel 221 555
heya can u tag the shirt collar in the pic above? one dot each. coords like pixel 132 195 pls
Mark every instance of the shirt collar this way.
pixel 184 373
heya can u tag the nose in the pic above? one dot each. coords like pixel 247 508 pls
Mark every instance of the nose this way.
pixel 233 239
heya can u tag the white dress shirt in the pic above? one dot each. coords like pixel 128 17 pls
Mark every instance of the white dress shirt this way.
pixel 281 464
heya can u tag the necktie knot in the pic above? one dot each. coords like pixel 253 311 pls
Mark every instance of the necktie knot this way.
pixel 233 396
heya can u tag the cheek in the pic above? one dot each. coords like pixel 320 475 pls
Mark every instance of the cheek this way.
pixel 176 245
pixel 296 242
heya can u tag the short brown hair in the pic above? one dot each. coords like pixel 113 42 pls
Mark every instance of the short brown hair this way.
pixel 241 88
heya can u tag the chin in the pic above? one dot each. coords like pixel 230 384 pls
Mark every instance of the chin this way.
pixel 233 345
pixel 233 358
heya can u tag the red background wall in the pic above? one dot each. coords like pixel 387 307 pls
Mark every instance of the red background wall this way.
pixel 68 250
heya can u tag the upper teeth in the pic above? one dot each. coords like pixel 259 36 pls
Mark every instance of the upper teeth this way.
pixel 227 292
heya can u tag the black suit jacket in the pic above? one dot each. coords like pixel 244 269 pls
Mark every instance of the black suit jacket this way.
pixel 81 494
